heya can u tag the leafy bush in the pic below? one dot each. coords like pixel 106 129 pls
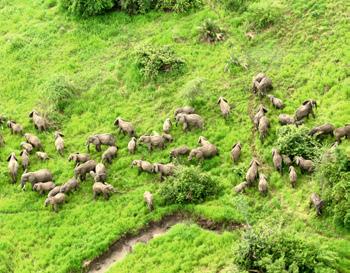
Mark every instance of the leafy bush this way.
pixel 136 6
pixel 189 185
pixel 192 91
pixel 234 5
pixel 295 141
pixel 236 63
pixel 262 14
pixel 178 5
pixel 87 8
pixel 210 32
pixel 333 175
pixel 274 251
pixel 154 60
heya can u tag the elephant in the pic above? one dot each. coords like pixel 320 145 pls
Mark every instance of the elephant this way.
pixel 54 191
pixel 143 166
pixel 276 102
pixel 236 151
pixel 184 110
pixel 305 164
pixel 264 126
pixel 286 160
pixel 316 201
pixel 79 158
pixel 167 126
pixel 262 186
pixel 59 142
pixel 104 189
pixel 207 150
pixel 13 167
pixel 241 187
pixel 261 84
pixel 339 133
pixel 42 156
pixel 40 123
pixel 27 146
pixel 183 150
pixel 153 141
pixel 110 154
pixel 15 128
pixel 125 127
pixel 190 121
pixel 325 129
pixel 33 140
pixel 84 168
pixel 164 169
pixel 292 176
pixel 100 139
pixel 168 137
pixel 260 113
pixel 252 172
pixel 42 175
pixel 100 173
pixel 224 107
pixel 285 119
pixel 305 110
pixel 277 160
pixel 148 198
pixel 42 187
pixel 70 185
pixel 132 145
pixel 55 200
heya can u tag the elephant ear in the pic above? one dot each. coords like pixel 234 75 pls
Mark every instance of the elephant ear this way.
pixel 234 145
pixel 219 100
pixel 306 102
pixel 60 134
pixel 21 153
pixel 8 159
pixel 31 114
pixel 116 122
pixel 225 100
pixel 265 109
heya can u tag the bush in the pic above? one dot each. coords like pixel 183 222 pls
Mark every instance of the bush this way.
pixel 153 60
pixel 87 8
pixel 178 5
pixel 210 32
pixel 262 14
pixel 189 185
pixel 333 176
pixel 274 251
pixel 295 141
pixel 136 6
pixel 234 5
pixel 192 91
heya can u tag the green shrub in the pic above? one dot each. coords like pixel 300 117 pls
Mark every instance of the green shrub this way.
pixel 234 5
pixel 295 141
pixel 271 250
pixel 154 60
pixel 192 91
pixel 87 8
pixel 136 6
pixel 262 14
pixel 178 5
pixel 189 185
pixel 236 63
pixel 210 32
pixel 333 176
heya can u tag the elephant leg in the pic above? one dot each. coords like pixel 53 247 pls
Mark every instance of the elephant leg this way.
pixel 55 207
pixel 94 195
pixel 98 148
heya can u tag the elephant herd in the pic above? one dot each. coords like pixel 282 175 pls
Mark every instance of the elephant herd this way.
pixel 42 180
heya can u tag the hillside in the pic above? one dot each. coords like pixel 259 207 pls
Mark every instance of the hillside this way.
pixel 305 52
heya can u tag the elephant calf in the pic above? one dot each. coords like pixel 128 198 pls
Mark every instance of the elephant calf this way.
pixel 263 186
pixel 339 133
pixel 125 127
pixel 180 151
pixel 241 187
pixel 132 145
pixel 43 187
pixel 277 160
pixel 40 123
pixel 316 201
pixel 59 142
pixel 15 128
pixel 84 168
pixel 184 110
pixel 54 191
pixel 25 159
pixel 252 172
pixel 167 126
pixel 164 169
pixel 168 137
pixel 305 110
pixel 148 197
pixel 236 151
pixel 100 139
pixel 261 84
pixel 292 176
pixel 100 173
pixel 104 189
pixel 42 156
pixel 43 175
pixel 286 160
pixel 224 107
pixel 305 165
pixel 34 141
pixel 110 154
pixel 153 141
pixel 13 167
pixel 143 166
pixel 79 158
pixel 26 146
pixel 189 121
pixel 276 102
pixel 55 200
pixel 70 185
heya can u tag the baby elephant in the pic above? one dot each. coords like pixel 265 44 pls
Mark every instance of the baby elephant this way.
pixel 26 146
pixel 55 200
pixel 339 133
pixel 69 186
pixel 236 152
pixel 13 167
pixel 148 197
pixel 43 187
pixel 100 139
pixel 316 201
pixel 110 154
pixel 132 145
pixel 104 189
pixel 15 128
pixel 259 114
pixel 184 110
pixel 241 187
pixel 40 123
pixel 83 169
pixel 153 141
pixel 207 150
pixel 276 102
pixel 305 165
pixel 305 110
pixel 42 156
pixel 34 141
pixel 190 121
pixel 224 107
pixel 125 127
pixel 79 158
pixel 143 166
pixel 292 176
pixel 252 172
pixel 164 169
pixel 325 129
pixel 43 175
pixel 263 186
pixel 180 151
pixel 261 84
pixel 167 126
pixel 54 191
pixel 25 159
pixel 277 160
pixel 286 160
pixel 59 142
pixel 100 174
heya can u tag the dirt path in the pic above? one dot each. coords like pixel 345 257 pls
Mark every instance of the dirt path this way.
pixel 122 247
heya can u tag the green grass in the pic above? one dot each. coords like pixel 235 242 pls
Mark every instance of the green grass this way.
pixel 305 54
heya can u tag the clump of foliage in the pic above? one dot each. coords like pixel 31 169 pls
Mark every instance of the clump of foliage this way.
pixel 188 185
pixel 234 5
pixel 155 60
pixel 211 32
pixel 178 5
pixel 136 6
pixel 193 90
pixel 271 250
pixel 87 8
pixel 333 175
pixel 261 15
pixel 235 62
pixel 295 141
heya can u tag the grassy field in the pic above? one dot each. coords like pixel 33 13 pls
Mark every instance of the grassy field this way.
pixel 306 55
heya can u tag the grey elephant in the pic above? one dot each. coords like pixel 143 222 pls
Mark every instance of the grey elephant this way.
pixel 264 125
pixel 276 102
pixel 100 139
pixel 164 169
pixel 27 146
pixel 261 84
pixel 325 129
pixel 125 127
pixel 59 142
pixel 152 141
pixel 15 128
pixel 148 198
pixel 143 166
pixel 305 165
pixel 55 201
pixel 79 158
pixel 305 110
pixel 184 110
pixel 132 145
pixel 43 187
pixel 180 151
pixel 42 156
pixel 33 140
pixel 262 186
pixel 225 108
pixel 259 114
pixel 83 169
pixel 13 167
pixel 40 122
pixel 42 175
pixel 339 133
pixel 316 201
pixel 252 172
pixel 110 154
pixel 167 126
pixel 71 185
pixel 241 187
pixel 292 176
pixel 236 151
pixel 277 160
pixel 105 189
pixel 189 121
pixel 100 173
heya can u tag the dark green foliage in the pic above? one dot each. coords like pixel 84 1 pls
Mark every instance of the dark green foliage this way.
pixel 154 60
pixel 333 176
pixel 210 32
pixel 87 8
pixel 274 251
pixel 136 6
pixel 178 5
pixel 295 141
pixel 189 185
pixel 234 5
